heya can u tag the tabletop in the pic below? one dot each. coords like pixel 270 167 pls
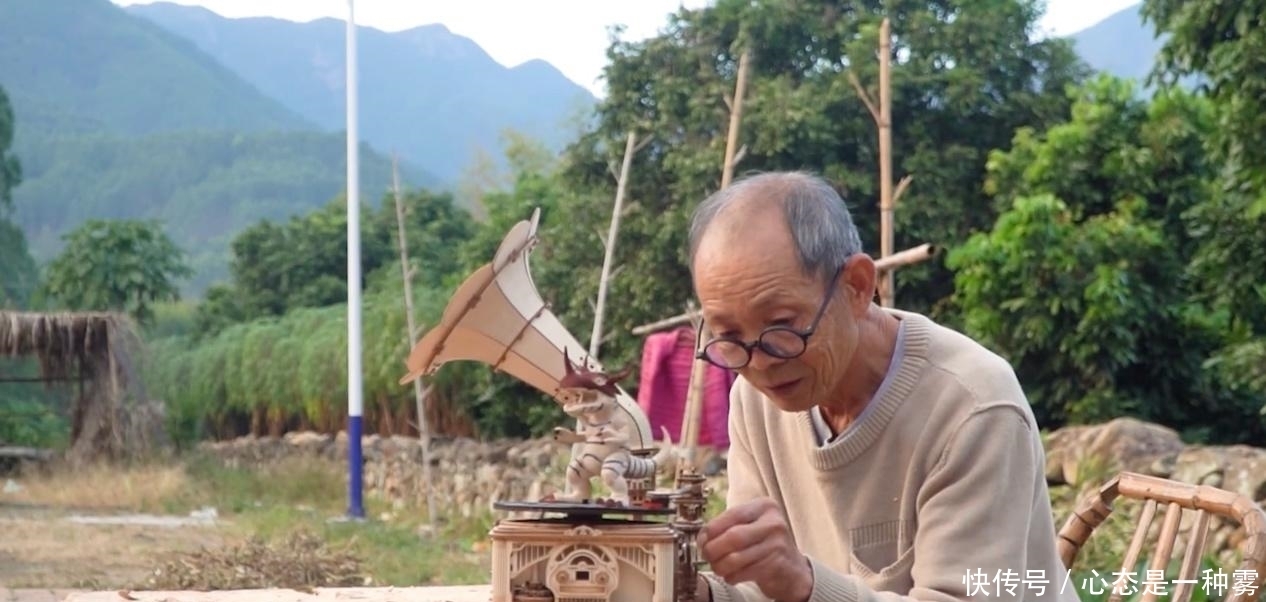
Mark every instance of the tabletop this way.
pixel 450 593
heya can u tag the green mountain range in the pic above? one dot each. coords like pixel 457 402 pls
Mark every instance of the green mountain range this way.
pixel 435 97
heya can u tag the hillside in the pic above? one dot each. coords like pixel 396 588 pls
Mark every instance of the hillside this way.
pixel 117 118
pixel 86 66
pixel 205 186
pixel 1123 45
pixel 427 93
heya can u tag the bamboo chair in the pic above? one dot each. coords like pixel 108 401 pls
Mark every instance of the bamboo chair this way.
pixel 1177 497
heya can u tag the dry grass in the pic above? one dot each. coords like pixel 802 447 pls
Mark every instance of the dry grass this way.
pixel 39 548
pixel 275 530
pixel 149 487
pixel 301 561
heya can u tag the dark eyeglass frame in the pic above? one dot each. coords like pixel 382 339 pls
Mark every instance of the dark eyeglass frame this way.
pixel 701 352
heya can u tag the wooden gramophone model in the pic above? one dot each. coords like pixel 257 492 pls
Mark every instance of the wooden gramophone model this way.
pixel 638 545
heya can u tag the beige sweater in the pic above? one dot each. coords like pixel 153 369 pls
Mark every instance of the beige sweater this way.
pixel 943 476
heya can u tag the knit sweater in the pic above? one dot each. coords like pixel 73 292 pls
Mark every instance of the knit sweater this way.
pixel 938 491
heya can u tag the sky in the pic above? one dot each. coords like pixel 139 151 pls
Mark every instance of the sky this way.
pixel 569 34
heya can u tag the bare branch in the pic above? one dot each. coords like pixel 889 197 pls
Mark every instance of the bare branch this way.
pixel 864 95
pixel 643 142
pixel 738 156
pixel 901 187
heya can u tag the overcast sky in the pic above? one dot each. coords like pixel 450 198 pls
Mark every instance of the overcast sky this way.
pixel 570 34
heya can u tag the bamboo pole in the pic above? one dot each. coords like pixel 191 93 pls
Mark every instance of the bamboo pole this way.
pixel 732 155
pixel 419 394
pixel 595 338
pixel 885 159
pixel 699 369
pixel 899 259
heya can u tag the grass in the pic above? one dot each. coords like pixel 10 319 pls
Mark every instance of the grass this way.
pixel 284 510
pixel 304 494
pixel 265 508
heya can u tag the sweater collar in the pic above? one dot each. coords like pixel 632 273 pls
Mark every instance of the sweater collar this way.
pixel 863 433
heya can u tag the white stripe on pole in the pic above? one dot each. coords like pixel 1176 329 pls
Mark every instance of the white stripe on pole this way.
pixel 355 402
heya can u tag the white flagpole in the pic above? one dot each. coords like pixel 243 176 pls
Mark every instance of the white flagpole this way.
pixel 355 403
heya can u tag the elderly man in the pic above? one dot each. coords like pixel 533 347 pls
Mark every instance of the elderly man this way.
pixel 875 455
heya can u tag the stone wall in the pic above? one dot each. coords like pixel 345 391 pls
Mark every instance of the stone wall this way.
pixel 471 475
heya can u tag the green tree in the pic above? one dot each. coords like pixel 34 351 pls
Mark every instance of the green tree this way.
pixel 10 168
pixel 965 76
pixel 1089 310
pixel 277 267
pixel 18 273
pixel 1084 281
pixel 119 265
pixel 1221 45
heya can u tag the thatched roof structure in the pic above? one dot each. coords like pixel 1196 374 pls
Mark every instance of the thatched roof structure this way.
pixel 96 350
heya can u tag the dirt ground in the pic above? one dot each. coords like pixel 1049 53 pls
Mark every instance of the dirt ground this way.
pixel 42 548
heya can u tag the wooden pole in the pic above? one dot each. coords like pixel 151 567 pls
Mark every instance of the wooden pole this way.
pixel 595 338
pixel 424 435
pixel 885 160
pixel 736 117
pixel 698 371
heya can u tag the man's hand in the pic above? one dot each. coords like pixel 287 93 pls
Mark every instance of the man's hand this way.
pixel 751 542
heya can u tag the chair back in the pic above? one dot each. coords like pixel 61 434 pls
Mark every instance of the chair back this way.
pixel 1172 499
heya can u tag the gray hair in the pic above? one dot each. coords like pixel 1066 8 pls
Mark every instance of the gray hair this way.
pixel 821 226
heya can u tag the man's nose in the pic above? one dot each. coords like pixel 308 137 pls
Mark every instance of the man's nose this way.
pixel 761 360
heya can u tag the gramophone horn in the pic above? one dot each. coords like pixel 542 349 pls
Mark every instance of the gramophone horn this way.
pixel 497 317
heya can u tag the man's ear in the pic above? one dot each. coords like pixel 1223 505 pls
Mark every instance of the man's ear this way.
pixel 860 278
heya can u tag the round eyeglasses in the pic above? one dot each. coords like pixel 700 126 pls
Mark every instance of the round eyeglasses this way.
pixel 782 342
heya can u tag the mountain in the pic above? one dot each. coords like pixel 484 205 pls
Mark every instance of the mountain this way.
pixel 115 117
pixel 85 65
pixel 204 186
pixel 435 97
pixel 1123 45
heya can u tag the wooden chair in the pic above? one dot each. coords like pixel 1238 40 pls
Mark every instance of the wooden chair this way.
pixel 1176 497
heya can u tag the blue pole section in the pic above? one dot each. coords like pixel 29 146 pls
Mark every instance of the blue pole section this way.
pixel 355 403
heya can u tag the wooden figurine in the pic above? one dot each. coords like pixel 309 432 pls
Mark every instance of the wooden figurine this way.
pixel 590 397
pixel 577 549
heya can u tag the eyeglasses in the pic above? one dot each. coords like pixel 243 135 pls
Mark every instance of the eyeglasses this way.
pixel 783 342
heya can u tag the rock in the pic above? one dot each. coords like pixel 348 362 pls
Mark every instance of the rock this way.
pixel 1237 468
pixel 1075 452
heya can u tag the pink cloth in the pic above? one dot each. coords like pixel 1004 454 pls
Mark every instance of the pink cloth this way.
pixel 667 358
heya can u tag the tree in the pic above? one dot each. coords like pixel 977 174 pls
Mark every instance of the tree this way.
pixel 19 276
pixel 10 168
pixel 1084 283
pixel 277 267
pixel 965 76
pixel 18 273
pixel 122 265
pixel 1219 43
